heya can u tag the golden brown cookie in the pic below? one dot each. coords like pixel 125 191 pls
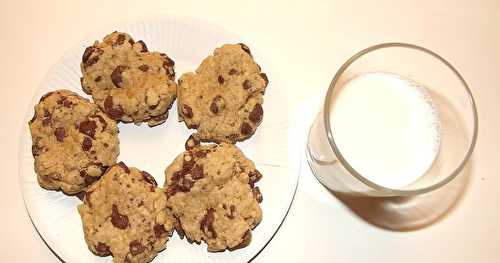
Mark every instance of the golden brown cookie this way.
pixel 73 141
pixel 211 192
pixel 125 215
pixel 223 99
pixel 128 82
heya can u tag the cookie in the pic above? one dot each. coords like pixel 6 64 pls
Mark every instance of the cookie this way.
pixel 73 141
pixel 125 215
pixel 128 82
pixel 211 191
pixel 223 98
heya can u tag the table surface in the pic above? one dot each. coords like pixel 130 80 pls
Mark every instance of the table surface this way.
pixel 308 41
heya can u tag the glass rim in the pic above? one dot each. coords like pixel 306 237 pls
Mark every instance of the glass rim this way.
pixel 345 163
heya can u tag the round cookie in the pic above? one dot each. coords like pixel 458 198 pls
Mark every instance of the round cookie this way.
pixel 223 98
pixel 125 215
pixel 211 192
pixel 128 82
pixel 73 141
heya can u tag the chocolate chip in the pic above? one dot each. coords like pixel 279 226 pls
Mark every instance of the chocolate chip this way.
pixel 136 248
pixel 264 76
pixel 47 117
pixel 245 241
pixel 113 112
pixel 61 100
pixel 220 79
pixel 187 111
pixel 167 61
pixel 257 194
pixel 171 191
pixel 208 223
pixel 65 102
pixel 256 114
pixel 181 185
pixel 36 150
pixel 253 177
pixel 197 172
pixel 124 167
pixel 98 78
pixel 149 178
pixel 83 173
pixel 116 113
pixel 91 61
pixel 192 142
pixel 120 40
pixel 131 41
pixel 247 84
pixel 87 53
pixel 213 107
pixel 200 153
pixel 144 48
pixel 246 129
pixel 116 75
pixel 245 48
pixel 101 120
pixel 168 65
pixel 86 144
pixel 118 220
pixel 171 73
pixel 60 134
pixel 80 195
pixel 176 176
pixel 90 179
pixel 102 249
pixel 108 103
pixel 185 184
pixel 88 128
pixel 232 209
pixel 159 230
pixel 144 67
pixel 217 104
pixel 232 71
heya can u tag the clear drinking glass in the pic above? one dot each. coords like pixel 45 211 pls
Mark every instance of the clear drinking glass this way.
pixel 451 97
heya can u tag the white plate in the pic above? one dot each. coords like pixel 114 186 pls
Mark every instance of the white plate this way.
pixel 187 42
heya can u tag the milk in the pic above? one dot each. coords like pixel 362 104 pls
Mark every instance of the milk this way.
pixel 386 127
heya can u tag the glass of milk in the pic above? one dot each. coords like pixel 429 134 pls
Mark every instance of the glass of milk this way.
pixel 397 120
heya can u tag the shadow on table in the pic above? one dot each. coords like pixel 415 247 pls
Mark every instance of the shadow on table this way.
pixel 409 213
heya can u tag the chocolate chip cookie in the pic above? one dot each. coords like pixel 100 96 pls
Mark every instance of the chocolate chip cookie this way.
pixel 73 141
pixel 128 82
pixel 211 191
pixel 223 98
pixel 125 215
